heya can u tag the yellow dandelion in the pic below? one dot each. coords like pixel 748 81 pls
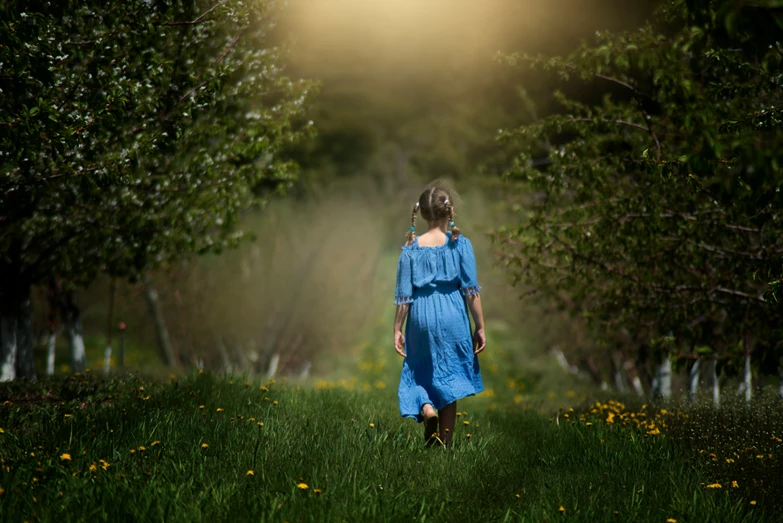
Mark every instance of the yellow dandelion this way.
pixel 32 454
pixel 734 484
pixel 250 419
pixel 2 431
pixel 466 423
pixel 372 425
pixel 65 457
pixel 302 486
pixel 2 491
pixel 467 436
pixel 714 485
pixel 142 448
pixel 263 388
pixel 260 423
pixel 671 520
pixel 588 424
pixel 104 464
pixel 93 467
pixel 204 445
pixel 760 456
pixel 729 460
pixel 219 409
pixel 753 502
pixel 274 402
pixel 517 496
pixel 201 406
pixel 66 415
pixel 155 443
pixel 317 491
pixel 561 509
pixel 133 451
pixel 251 473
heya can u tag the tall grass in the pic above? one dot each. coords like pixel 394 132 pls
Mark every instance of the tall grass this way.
pixel 207 448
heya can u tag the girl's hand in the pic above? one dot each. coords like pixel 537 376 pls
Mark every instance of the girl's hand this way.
pixel 399 343
pixel 479 341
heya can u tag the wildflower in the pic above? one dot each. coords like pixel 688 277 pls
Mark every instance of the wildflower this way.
pixel 93 467
pixel 752 502
pixel 729 460
pixel 274 402
pixel 251 473
pixel 260 423
pixel 760 456
pixel 467 436
pixel 2 431
pixel 104 464
pixel 317 491
pixel 2 491
pixel 155 443
pixel 201 406
pixel 142 448
pixel 66 457
pixel 561 509
pixel 671 520
pixel 133 451
pixel 302 486
pixel 517 496
pixel 714 485
pixel 204 445
pixel 734 484
pixel 66 415
pixel 372 425
pixel 466 423
pixel 589 424
pixel 219 409
pixel 263 388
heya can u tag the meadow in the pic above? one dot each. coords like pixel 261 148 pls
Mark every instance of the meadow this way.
pixel 220 447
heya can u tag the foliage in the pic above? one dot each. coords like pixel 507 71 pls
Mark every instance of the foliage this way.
pixel 133 133
pixel 185 450
pixel 652 195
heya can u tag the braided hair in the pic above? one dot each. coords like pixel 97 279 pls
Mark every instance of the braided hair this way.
pixel 435 206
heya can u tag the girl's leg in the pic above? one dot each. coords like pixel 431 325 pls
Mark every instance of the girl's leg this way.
pixel 448 417
pixel 430 422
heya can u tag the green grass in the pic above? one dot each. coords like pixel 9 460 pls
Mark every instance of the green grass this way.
pixel 369 464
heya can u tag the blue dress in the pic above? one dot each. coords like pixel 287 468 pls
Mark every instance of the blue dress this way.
pixel 440 366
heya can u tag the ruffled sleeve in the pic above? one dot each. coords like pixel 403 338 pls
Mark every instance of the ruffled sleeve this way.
pixel 468 277
pixel 403 293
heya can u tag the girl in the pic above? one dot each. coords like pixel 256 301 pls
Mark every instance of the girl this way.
pixel 436 275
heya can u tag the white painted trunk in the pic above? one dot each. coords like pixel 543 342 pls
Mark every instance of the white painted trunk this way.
pixel 7 348
pixel 637 385
pixel 780 383
pixel 693 379
pixel 714 382
pixel 305 370
pixel 747 380
pixel 663 378
pixel 76 345
pixel 273 363
pixel 50 354
pixel 107 360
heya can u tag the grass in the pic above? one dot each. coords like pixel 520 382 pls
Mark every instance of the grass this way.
pixel 83 448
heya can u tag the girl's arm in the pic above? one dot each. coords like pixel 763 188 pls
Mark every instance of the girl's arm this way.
pixel 479 338
pixel 399 337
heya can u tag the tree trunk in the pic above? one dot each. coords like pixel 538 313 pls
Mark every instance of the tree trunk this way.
pixel 50 345
pixel 714 381
pixel 693 379
pixel 747 379
pixel 780 376
pixel 25 360
pixel 7 347
pixel 617 372
pixel 164 343
pixel 72 318
pixel 663 378
pixel 273 363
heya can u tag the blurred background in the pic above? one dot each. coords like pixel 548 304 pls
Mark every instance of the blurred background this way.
pixel 410 92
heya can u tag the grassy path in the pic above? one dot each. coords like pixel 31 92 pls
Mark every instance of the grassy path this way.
pixel 207 448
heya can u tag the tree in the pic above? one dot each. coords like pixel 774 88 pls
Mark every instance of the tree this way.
pixel 653 204
pixel 132 134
